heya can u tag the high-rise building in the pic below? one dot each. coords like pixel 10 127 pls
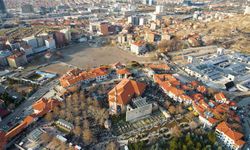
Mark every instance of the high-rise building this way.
pixel 2 7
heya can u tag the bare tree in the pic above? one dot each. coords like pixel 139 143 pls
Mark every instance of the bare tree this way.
pixel 77 120
pixel 176 131
pixel 180 109
pixel 55 141
pixel 193 125
pixel 77 131
pixel 112 146
pixel 62 114
pixel 63 146
pixel 56 111
pixel 172 110
pixel 49 117
pixel 167 104
pixel 85 124
pixel 87 136
pixel 69 116
pixel 46 138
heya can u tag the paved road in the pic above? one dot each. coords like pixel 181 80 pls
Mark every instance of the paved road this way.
pixel 25 105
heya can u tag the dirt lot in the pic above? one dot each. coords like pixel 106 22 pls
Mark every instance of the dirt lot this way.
pixel 60 68
pixel 85 57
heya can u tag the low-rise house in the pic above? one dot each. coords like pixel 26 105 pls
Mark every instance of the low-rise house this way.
pixel 76 76
pixel 44 105
pixel 209 122
pixel 3 57
pixel 220 98
pixel 122 94
pixel 17 59
pixel 231 138
pixel 169 85
pixel 123 73
pixel 138 47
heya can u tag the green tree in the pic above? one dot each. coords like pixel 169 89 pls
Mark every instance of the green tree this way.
pixel 212 137
pixel 173 144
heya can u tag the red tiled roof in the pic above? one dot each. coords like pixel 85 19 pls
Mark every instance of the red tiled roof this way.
pixel 44 105
pixel 159 66
pixel 125 90
pixel 197 96
pixel 194 83
pixel 139 43
pixel 201 89
pixel 220 96
pixel 76 75
pixel 123 71
pixel 234 135
pixel 186 97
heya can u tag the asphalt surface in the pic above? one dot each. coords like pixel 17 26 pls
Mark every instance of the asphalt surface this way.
pixel 26 104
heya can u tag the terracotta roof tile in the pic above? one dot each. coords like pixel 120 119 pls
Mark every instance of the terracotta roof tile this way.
pixel 123 71
pixel 125 90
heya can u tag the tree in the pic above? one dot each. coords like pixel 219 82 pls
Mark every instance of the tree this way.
pixel 212 137
pixel 63 146
pixel 176 131
pixel 85 124
pixel 193 125
pixel 163 44
pixel 11 106
pixel 87 136
pixel 172 110
pixel 55 141
pixel 49 117
pixel 77 120
pixel 173 144
pixel 46 138
pixel 62 114
pixel 112 146
pixel 77 131
pixel 56 111
pixel 180 109
pixel 69 116
pixel 167 104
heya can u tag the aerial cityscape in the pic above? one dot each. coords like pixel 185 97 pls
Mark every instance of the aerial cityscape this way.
pixel 124 75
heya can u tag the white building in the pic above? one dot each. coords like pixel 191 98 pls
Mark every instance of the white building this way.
pixel 67 33
pixel 247 10
pixel 138 47
pixel 50 44
pixel 32 41
pixel 232 139
pixel 159 9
